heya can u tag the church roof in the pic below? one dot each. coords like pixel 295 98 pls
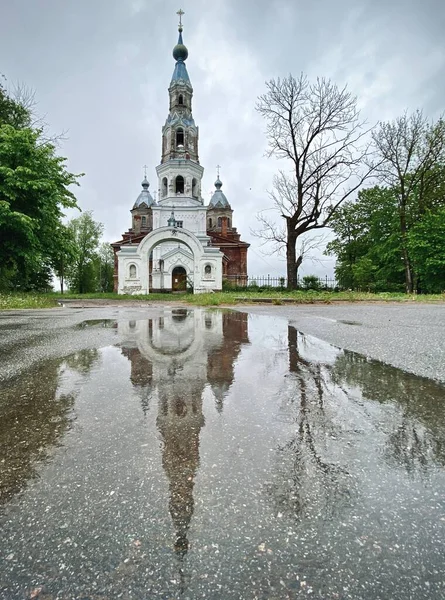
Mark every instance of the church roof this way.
pixel 174 119
pixel 180 73
pixel 218 200
pixel 144 197
pixel 180 54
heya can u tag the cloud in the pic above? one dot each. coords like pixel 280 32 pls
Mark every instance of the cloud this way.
pixel 101 71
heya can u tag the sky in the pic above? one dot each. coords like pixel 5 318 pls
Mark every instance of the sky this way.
pixel 101 69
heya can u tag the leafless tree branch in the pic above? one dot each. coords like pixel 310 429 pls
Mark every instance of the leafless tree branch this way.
pixel 317 127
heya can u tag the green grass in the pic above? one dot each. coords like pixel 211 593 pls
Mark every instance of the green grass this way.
pixel 275 297
pixel 26 300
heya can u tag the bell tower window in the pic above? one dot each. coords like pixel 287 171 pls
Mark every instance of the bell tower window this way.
pixel 194 188
pixel 179 184
pixel 179 137
pixel 219 222
pixel 210 223
pixel 164 187
pixel 181 99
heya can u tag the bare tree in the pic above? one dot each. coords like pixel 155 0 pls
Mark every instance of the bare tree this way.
pixel 277 238
pixel 317 127
pixel 26 97
pixel 409 148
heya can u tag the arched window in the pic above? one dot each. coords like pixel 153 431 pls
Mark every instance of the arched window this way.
pixel 228 223
pixel 208 270
pixel 219 222
pixel 179 137
pixel 210 223
pixel 164 186
pixel 194 188
pixel 179 184
pixel 180 99
pixel 144 221
pixel 132 271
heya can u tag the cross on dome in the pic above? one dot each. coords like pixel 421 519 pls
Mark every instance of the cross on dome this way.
pixel 180 13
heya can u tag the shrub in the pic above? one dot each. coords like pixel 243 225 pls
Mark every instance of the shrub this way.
pixel 311 282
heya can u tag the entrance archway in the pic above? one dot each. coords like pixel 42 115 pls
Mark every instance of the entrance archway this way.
pixel 179 279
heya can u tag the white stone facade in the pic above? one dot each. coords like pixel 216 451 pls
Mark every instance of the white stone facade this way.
pixel 178 248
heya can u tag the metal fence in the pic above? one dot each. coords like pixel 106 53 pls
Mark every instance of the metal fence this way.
pixel 269 281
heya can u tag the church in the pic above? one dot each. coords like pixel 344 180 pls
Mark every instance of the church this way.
pixel 176 242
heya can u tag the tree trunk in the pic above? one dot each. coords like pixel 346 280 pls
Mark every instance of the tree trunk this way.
pixel 408 271
pixel 62 277
pixel 405 256
pixel 297 266
pixel 291 261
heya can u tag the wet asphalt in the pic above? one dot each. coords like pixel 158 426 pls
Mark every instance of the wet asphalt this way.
pixel 264 453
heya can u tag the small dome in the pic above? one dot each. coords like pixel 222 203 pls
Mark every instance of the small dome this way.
pixel 218 200
pixel 180 51
pixel 144 197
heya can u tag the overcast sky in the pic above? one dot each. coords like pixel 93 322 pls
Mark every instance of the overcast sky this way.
pixel 101 69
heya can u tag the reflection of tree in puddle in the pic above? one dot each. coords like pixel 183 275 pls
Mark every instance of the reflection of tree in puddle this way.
pixel 334 397
pixel 307 482
pixel 415 424
pixel 176 357
pixel 33 420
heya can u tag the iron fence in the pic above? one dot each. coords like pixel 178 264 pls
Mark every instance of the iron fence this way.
pixel 270 281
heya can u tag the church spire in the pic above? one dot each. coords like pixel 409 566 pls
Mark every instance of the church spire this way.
pixel 180 54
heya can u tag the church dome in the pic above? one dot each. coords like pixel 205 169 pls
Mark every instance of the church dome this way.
pixel 218 200
pixel 180 51
pixel 144 197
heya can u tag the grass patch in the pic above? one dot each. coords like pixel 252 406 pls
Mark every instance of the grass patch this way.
pixel 278 297
pixel 16 300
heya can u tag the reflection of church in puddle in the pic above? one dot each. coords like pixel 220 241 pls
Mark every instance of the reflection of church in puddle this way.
pixel 174 357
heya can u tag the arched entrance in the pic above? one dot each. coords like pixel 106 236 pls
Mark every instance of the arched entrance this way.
pixel 179 279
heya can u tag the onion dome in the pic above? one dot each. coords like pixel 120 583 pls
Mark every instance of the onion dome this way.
pixel 180 51
pixel 218 200
pixel 180 54
pixel 145 199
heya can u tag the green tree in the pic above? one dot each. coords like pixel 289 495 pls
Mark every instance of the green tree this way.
pixel 105 268
pixel 426 245
pixel 411 151
pixel 64 254
pixel 34 191
pixel 367 242
pixel 82 272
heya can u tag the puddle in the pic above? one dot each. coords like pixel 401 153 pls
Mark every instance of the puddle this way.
pixel 107 323
pixel 212 454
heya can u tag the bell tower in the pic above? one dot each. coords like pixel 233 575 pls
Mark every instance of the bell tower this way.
pixel 180 173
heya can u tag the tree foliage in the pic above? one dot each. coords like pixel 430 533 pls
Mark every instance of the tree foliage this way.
pixel 82 271
pixel 411 153
pixel 105 268
pixel 317 128
pixel 370 248
pixel 34 191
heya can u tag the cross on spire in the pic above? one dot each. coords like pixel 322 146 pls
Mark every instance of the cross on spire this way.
pixel 145 170
pixel 180 13
pixel 217 169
